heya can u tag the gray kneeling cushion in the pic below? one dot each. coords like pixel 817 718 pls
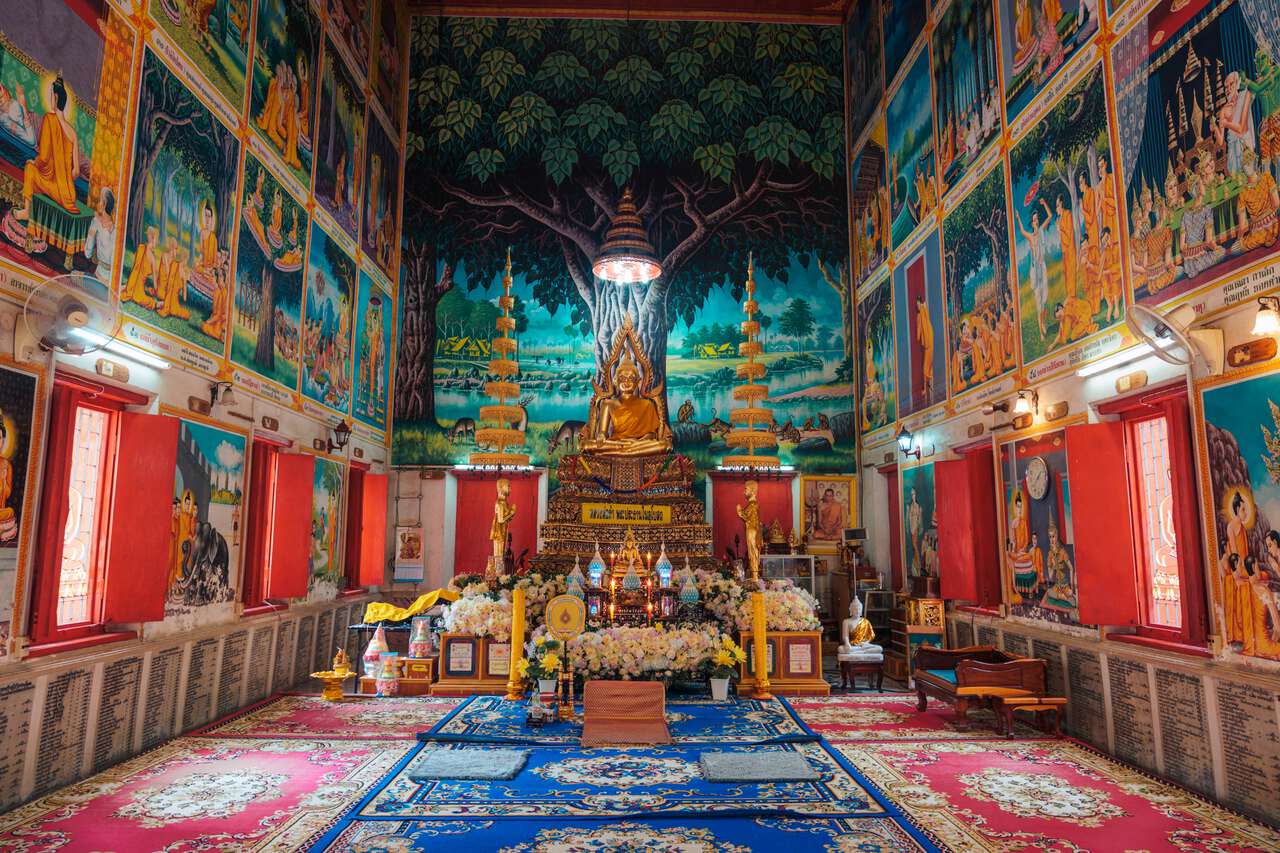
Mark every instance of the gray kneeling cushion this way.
pixel 435 764
pixel 757 767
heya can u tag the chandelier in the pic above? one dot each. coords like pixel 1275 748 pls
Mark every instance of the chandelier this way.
pixel 627 256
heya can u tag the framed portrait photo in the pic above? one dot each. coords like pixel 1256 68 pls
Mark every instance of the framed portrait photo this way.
pixel 829 506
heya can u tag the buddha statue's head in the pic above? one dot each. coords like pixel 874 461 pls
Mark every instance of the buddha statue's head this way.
pixel 627 379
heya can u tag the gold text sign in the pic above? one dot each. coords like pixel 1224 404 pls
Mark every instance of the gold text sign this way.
pixel 630 514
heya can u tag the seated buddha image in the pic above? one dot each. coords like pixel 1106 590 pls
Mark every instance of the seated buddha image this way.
pixel 627 418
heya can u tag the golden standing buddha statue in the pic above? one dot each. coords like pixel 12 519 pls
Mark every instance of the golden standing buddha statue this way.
pixel 750 515
pixel 628 418
pixel 503 512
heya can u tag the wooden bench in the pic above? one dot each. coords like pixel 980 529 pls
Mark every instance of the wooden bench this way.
pixel 935 673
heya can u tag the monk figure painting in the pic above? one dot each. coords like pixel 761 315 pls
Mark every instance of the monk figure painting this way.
pixel 62 105
pixel 285 73
pixel 828 509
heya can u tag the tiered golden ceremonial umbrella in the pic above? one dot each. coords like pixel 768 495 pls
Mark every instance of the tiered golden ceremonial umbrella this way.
pixel 503 422
pixel 751 422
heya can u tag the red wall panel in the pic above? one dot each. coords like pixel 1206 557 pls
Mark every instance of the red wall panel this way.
pixel 476 496
pixel 373 530
pixel 773 496
pixel 289 562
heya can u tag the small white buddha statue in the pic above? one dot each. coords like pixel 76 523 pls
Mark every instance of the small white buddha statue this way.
pixel 856 635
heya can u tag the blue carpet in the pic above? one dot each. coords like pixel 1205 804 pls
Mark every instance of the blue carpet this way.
pixel 626 798
pixel 732 835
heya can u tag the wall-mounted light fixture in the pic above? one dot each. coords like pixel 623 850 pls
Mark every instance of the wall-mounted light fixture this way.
pixel 1267 320
pixel 992 408
pixel 341 435
pixel 907 444
pixel 1027 402
pixel 221 392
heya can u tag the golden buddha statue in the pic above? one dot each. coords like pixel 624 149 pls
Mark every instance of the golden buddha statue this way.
pixel 628 418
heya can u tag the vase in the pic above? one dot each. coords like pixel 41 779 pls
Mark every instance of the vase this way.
pixel 720 689
pixel 546 685
pixel 373 653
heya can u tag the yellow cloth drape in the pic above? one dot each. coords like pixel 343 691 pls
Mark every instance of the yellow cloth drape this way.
pixel 378 611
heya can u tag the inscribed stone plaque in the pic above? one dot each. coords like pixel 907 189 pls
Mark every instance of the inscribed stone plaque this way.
pixel 1054 679
pixel 1087 716
pixel 66 713
pixel 259 664
pixel 159 713
pixel 233 650
pixel 1184 730
pixel 1016 644
pixel 284 657
pixel 986 635
pixel 1131 714
pixel 1250 748
pixel 323 654
pixel 15 728
pixel 302 655
pixel 198 708
pixel 117 709
pixel 964 634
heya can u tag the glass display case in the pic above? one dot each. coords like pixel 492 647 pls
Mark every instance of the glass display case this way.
pixel 800 570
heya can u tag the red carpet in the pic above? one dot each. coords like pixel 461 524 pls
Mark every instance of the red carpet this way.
pixel 893 717
pixel 357 717
pixel 1046 795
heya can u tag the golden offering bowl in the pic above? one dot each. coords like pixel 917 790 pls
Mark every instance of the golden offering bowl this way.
pixel 332 683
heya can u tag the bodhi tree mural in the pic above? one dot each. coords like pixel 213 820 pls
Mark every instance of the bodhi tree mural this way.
pixel 525 133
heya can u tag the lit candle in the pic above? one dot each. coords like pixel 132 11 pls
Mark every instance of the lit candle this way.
pixel 610 612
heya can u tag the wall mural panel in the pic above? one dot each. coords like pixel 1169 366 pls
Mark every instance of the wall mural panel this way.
pixel 21 428
pixel 903 23
pixel 1037 40
pixel 919 522
pixel 64 91
pixel 286 63
pixel 214 40
pixel 208 500
pixel 919 313
pixel 865 58
pixel 326 331
pixel 374 338
pixel 878 388
pixel 1039 546
pixel 326 522
pixel 869 206
pixel 966 87
pixel 1240 466
pixel 1198 104
pixel 913 194
pixel 740 124
pixel 981 318
pixel 1066 231
pixel 339 141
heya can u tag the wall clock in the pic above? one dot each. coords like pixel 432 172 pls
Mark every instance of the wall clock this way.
pixel 1037 478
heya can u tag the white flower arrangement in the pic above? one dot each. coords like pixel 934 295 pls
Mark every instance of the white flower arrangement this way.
pixel 480 616
pixel 644 652
pixel 787 607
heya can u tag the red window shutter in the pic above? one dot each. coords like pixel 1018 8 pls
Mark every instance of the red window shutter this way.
pixel 373 531
pixel 957 575
pixel 289 562
pixel 1106 573
pixel 136 579
pixel 986 530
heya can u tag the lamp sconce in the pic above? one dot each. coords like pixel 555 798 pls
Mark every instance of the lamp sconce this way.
pixel 1026 403
pixel 1266 323
pixel 341 435
pixel 221 392
pixel 992 408
pixel 907 444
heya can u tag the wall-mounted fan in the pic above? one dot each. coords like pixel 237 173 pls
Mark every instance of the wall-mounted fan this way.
pixel 1174 337
pixel 72 313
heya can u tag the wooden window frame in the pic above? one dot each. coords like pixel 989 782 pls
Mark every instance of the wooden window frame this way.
pixel 264 450
pixel 354 526
pixel 70 394
pixel 1170 402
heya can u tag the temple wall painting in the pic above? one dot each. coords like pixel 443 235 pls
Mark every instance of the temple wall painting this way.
pixel 919 522
pixel 919 330
pixel 1240 467
pixel 966 87
pixel 134 128
pixel 522 130
pixel 913 193
pixel 877 388
pixel 1039 549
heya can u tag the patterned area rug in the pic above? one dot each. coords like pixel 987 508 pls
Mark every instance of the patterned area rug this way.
pixel 492 718
pixel 894 717
pixel 1046 795
pixel 355 717
pixel 206 794
pixel 623 782
pixel 685 835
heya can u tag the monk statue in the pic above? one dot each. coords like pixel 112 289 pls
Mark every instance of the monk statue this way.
pixel 750 515
pixel 627 417
pixel 856 635
pixel 503 512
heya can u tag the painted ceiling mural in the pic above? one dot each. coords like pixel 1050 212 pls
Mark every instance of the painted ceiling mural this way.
pixel 525 133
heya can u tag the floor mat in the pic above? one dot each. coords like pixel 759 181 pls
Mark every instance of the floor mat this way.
pixel 1046 795
pixel 207 794
pixel 687 835
pixel 568 781
pixel 355 717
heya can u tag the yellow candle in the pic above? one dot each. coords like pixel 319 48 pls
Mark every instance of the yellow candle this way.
pixel 515 684
pixel 760 640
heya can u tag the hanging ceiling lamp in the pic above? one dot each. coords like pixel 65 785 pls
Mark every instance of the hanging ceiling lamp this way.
pixel 627 256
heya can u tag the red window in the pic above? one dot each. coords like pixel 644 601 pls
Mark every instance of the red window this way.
pixel 279 525
pixel 1159 469
pixel 99 560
